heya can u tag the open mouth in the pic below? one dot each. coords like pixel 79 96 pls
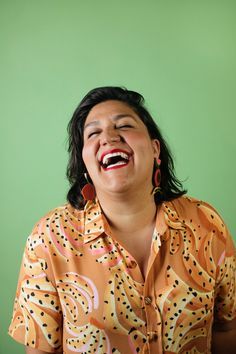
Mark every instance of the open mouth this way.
pixel 114 159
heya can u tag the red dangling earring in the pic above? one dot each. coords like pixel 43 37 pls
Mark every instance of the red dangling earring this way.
pixel 88 190
pixel 157 178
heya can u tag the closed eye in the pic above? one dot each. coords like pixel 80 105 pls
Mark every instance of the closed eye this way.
pixel 125 126
pixel 93 133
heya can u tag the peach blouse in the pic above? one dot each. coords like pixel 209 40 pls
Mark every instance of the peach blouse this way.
pixel 80 291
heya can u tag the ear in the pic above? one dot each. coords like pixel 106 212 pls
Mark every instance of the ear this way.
pixel 156 148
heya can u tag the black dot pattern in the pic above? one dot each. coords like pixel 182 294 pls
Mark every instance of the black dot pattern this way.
pixel 76 279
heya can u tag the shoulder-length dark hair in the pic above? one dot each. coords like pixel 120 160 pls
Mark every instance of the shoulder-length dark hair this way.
pixel 171 187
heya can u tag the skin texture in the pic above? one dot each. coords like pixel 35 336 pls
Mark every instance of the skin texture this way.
pixel 123 192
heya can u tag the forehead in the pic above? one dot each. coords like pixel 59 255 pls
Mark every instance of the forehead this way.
pixel 110 110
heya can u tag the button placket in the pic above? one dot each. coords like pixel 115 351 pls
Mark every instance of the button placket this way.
pixel 152 311
pixel 150 315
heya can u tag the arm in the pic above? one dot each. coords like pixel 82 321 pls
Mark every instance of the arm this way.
pixel 224 337
pixel 36 280
pixel 29 350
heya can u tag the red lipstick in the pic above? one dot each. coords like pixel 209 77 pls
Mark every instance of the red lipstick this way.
pixel 112 151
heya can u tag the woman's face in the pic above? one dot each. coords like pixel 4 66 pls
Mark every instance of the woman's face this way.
pixel 118 151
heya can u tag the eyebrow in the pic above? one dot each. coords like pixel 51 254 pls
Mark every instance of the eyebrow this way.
pixel 115 118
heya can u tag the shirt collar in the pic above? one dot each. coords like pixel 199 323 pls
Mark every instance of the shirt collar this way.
pixel 95 223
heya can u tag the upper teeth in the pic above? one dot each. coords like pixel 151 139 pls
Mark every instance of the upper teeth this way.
pixel 108 156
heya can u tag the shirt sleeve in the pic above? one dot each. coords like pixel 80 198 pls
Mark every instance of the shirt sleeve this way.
pixel 37 315
pixel 225 291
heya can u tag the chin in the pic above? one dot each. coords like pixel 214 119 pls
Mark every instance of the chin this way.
pixel 119 188
pixel 115 186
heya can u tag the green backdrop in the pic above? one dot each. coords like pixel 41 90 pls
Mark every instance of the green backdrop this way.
pixel 179 54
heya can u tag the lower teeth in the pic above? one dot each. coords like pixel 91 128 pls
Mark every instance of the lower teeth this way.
pixel 117 164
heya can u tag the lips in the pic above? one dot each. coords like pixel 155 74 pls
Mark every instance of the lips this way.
pixel 115 158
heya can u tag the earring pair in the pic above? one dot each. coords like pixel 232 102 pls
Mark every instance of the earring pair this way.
pixel 88 191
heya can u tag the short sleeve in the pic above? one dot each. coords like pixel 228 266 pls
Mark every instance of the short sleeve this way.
pixel 37 315
pixel 225 291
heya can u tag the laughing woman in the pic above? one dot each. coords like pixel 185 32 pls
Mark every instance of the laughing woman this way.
pixel 130 264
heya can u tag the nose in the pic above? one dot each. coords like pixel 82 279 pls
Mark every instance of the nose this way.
pixel 109 137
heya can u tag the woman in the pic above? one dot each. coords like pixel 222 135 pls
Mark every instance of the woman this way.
pixel 129 264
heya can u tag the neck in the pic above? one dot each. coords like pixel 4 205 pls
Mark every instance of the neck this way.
pixel 129 213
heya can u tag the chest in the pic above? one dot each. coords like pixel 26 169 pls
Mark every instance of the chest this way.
pixel 111 296
pixel 138 246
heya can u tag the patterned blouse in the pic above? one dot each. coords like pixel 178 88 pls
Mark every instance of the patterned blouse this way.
pixel 80 291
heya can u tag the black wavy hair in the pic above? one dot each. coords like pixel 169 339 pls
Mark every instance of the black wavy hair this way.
pixel 171 187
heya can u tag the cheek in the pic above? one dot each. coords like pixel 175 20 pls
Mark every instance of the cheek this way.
pixel 85 155
pixel 89 156
pixel 142 142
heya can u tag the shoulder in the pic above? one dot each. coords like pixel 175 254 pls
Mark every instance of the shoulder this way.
pixel 187 201
pixel 58 233
pixel 196 209
pixel 200 216
pixel 62 216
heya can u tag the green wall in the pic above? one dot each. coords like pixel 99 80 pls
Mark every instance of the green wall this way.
pixel 179 54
